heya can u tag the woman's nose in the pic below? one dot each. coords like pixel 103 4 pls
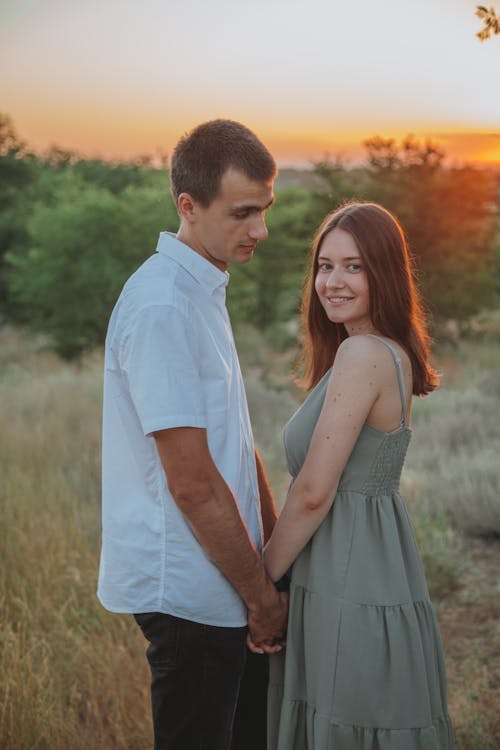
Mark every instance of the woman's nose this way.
pixel 334 278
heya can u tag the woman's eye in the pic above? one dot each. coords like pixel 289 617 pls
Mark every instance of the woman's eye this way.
pixel 354 267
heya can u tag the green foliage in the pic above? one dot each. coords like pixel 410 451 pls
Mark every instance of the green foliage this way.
pixel 339 185
pixel 17 169
pixel 27 180
pixel 81 249
pixel 113 177
pixel 448 216
pixel 73 229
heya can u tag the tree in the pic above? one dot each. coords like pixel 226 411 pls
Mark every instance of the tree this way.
pixel 337 184
pixel 448 215
pixel 81 249
pixel 17 173
pixel 410 154
pixel 40 198
pixel 491 22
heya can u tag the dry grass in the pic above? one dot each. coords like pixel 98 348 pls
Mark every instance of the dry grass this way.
pixel 469 624
pixel 74 676
pixel 453 460
pixel 71 675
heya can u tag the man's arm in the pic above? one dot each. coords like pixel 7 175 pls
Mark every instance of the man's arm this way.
pixel 268 508
pixel 206 501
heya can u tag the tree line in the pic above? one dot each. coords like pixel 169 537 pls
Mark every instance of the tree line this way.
pixel 73 229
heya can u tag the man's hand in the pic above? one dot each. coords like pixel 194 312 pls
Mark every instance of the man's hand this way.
pixel 267 621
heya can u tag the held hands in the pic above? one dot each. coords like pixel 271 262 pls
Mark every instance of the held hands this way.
pixel 265 649
pixel 267 622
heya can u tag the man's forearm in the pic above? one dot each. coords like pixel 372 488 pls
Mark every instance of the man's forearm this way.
pixel 219 528
pixel 217 524
pixel 206 501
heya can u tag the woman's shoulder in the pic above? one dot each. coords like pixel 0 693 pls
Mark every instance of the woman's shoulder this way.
pixel 359 358
pixel 373 354
pixel 371 345
pixel 360 347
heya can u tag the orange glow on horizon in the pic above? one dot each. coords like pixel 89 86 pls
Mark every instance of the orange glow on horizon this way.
pixel 125 135
pixel 116 83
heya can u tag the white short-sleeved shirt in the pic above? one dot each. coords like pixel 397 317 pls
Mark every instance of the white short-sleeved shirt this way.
pixel 170 361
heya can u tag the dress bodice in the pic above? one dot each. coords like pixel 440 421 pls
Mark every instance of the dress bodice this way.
pixel 376 461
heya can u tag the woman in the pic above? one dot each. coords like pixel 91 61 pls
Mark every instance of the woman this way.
pixel 363 667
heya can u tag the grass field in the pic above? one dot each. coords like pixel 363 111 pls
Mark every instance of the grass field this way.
pixel 73 676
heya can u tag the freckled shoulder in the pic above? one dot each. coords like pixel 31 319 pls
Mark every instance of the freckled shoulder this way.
pixel 364 357
pixel 360 348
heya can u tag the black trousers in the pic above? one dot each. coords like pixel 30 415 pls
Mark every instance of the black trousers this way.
pixel 250 722
pixel 197 673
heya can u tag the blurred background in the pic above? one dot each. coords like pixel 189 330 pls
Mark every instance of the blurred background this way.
pixel 392 101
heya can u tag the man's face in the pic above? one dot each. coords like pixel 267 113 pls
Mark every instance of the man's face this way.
pixel 228 230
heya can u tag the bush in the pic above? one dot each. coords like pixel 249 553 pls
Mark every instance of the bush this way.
pixel 452 464
pixel 81 250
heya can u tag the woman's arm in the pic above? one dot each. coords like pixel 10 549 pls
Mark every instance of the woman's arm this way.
pixel 353 388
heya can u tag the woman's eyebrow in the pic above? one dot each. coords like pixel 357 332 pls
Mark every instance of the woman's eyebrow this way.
pixel 347 257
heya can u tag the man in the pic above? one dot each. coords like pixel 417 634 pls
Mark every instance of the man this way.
pixel 186 504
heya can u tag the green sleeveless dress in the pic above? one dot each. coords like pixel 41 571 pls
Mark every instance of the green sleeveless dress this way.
pixel 363 667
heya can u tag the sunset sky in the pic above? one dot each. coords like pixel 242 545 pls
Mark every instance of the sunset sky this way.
pixel 312 77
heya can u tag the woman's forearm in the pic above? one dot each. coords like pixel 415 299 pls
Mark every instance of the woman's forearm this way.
pixel 299 519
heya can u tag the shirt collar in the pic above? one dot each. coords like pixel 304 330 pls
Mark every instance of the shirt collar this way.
pixel 195 264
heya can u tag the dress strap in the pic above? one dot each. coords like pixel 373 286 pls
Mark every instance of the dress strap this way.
pixel 397 362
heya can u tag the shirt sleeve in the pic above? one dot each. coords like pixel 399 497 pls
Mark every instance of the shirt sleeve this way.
pixel 160 358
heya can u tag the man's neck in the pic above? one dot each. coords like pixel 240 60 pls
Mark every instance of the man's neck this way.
pixel 186 237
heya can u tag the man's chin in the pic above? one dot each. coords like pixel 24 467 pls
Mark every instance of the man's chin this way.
pixel 244 255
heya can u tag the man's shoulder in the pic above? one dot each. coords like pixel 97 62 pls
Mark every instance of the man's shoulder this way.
pixel 155 283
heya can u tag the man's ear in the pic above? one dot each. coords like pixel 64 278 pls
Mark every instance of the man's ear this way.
pixel 187 208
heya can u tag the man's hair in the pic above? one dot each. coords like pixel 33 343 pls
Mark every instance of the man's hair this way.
pixel 202 157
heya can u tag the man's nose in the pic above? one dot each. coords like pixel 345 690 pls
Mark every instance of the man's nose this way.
pixel 258 230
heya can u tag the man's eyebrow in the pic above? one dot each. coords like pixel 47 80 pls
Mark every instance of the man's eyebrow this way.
pixel 251 207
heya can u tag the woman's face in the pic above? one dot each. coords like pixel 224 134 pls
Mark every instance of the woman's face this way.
pixel 341 283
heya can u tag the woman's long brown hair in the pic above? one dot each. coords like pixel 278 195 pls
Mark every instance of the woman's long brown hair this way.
pixel 395 305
